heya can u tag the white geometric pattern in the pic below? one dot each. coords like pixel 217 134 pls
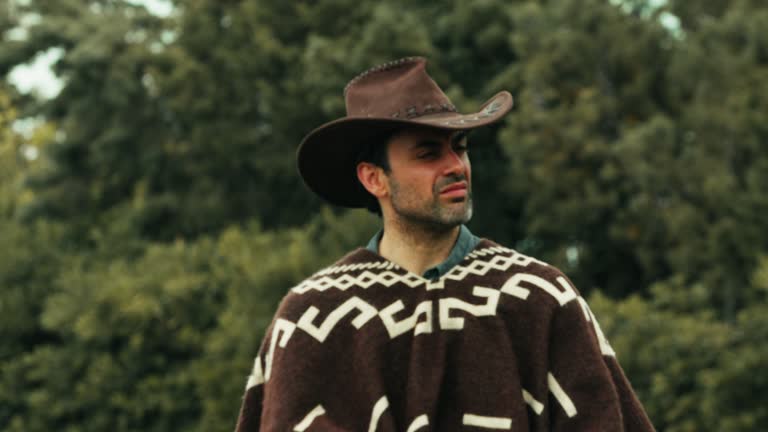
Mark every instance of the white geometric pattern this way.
pixel 448 322
pixel 307 421
pixel 257 375
pixel 605 347
pixel 486 422
pixel 378 411
pixel 498 262
pixel 383 265
pixel 281 334
pixel 363 280
pixel 490 251
pixel 418 423
pixel 512 286
pixel 396 328
pixel 562 397
pixel 535 405
pixel 320 333
pixel 388 278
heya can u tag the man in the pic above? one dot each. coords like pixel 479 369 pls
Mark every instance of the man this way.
pixel 429 328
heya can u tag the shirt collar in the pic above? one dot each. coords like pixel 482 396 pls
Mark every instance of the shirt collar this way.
pixel 463 246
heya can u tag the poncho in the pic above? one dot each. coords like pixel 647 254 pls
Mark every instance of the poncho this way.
pixel 500 342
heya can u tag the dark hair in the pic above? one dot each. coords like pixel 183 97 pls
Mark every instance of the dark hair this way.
pixel 375 152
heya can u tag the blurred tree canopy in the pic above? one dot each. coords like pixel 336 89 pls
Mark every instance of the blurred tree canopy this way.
pixel 151 216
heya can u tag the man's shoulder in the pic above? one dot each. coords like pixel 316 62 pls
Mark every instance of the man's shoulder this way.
pixel 541 286
pixel 353 262
pixel 356 259
pixel 359 267
pixel 331 282
pixel 509 261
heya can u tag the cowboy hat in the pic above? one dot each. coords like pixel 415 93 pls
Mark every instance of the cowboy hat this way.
pixel 384 98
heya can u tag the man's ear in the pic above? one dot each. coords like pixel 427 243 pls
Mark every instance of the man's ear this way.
pixel 373 179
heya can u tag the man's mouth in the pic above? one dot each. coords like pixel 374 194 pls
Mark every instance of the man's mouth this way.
pixel 454 190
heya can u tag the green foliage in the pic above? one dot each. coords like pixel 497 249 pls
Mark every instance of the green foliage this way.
pixel 146 249
pixel 155 342
pixel 582 88
pixel 30 258
pixel 692 371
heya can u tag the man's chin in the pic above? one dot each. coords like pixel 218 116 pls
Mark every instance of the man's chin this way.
pixel 457 216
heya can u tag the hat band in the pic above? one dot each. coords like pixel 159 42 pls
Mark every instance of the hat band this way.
pixel 414 111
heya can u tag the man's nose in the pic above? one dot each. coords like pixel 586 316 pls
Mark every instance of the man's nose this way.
pixel 455 163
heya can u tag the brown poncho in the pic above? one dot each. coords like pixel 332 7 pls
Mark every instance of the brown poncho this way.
pixel 500 342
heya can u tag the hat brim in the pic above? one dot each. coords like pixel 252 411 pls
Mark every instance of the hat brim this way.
pixel 326 156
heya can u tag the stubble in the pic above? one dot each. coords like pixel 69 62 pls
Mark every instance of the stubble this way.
pixel 432 214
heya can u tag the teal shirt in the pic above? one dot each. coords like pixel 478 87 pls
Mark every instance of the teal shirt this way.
pixel 464 245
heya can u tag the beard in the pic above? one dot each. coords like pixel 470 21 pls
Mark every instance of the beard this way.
pixel 433 213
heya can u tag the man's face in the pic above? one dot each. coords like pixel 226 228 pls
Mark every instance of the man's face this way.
pixel 430 177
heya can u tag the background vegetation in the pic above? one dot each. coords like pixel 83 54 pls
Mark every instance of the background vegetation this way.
pixel 151 216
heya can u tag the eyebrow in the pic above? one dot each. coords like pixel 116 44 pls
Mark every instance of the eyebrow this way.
pixel 458 136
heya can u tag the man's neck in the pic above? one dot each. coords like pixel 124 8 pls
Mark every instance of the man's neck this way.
pixel 417 248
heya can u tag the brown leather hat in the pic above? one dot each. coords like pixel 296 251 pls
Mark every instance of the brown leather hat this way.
pixel 384 98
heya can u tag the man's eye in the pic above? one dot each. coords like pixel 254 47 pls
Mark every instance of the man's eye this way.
pixel 427 155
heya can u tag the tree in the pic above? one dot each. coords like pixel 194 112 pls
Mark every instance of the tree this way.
pixel 582 85
pixel 29 260
pixel 149 243
pixel 692 370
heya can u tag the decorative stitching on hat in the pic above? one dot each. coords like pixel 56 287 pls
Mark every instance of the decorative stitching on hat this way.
pixel 413 111
pixel 380 68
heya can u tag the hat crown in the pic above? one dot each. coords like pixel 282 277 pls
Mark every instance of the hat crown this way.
pixel 398 89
